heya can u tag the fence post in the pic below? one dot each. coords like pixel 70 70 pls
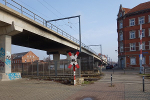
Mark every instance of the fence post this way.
pixel 43 69
pixel 27 68
pixel 55 68
pixel 22 69
pixel 63 68
pixel 37 69
pixel 5 2
pixel 111 80
pixel 21 10
pixel 80 67
pixel 32 68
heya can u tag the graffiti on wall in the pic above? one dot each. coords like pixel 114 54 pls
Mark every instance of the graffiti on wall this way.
pixel 8 59
pixel 2 53
pixel 13 76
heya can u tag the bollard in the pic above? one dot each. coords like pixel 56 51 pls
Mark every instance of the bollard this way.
pixel 111 80
pixel 143 83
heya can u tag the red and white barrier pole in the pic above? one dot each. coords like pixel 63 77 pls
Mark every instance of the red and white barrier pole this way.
pixel 140 48
pixel 74 71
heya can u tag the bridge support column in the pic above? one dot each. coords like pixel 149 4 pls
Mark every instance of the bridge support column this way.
pixel 5 59
pixel 56 58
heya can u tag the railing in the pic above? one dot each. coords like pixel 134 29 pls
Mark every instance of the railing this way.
pixel 42 21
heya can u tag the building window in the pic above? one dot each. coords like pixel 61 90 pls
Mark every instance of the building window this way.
pixel 27 56
pixel 121 47
pixel 132 46
pixel 132 61
pixel 25 60
pixel 143 33
pixel 120 14
pixel 143 45
pixel 121 36
pixel 132 22
pixel 141 20
pixel 132 34
pixel 30 56
pixel 33 56
pixel 120 24
pixel 143 60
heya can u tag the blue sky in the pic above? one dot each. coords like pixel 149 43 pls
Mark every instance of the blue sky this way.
pixel 98 21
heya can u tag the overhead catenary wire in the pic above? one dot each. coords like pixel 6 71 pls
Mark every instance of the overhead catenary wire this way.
pixel 57 11
pixel 55 15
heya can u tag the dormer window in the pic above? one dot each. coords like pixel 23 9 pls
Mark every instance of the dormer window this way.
pixel 120 14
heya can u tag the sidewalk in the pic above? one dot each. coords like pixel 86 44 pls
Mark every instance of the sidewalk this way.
pixel 126 86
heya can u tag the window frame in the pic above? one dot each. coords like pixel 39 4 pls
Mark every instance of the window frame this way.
pixel 139 20
pixel 120 36
pixel 132 58
pixel 142 33
pixel 131 22
pixel 120 25
pixel 143 48
pixel 130 35
pixel 133 46
pixel 120 14
pixel 121 47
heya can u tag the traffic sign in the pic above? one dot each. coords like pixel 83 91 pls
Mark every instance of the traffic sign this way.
pixel 73 60
pixel 74 63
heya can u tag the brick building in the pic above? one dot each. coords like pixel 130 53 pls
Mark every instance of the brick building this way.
pixel 128 26
pixel 24 57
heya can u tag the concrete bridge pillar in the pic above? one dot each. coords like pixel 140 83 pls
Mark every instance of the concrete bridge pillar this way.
pixel 5 59
pixel 5 54
pixel 56 59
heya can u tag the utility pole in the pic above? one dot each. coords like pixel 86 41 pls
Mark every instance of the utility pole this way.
pixel 70 18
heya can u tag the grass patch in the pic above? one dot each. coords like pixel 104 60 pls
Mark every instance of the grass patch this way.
pixel 88 82
pixel 147 76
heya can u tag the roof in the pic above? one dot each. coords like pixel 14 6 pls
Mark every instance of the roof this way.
pixel 140 7
pixel 126 10
pixel 18 55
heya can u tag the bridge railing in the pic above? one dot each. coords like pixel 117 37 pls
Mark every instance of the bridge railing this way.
pixel 18 7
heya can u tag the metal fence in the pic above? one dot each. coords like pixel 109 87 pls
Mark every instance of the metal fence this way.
pixel 21 9
pixel 50 68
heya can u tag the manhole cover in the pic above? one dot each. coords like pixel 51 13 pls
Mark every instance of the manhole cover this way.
pixel 87 99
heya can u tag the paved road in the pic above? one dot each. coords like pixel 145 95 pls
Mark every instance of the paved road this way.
pixel 126 86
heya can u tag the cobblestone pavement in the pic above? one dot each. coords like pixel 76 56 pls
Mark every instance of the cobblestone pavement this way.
pixel 35 90
pixel 126 86
pixel 132 81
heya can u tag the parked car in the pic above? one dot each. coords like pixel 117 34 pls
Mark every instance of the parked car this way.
pixel 109 66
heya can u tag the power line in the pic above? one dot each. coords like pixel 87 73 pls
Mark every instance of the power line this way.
pixel 34 9
pixel 58 12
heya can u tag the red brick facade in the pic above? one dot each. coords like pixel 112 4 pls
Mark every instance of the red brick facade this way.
pixel 24 57
pixel 128 56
